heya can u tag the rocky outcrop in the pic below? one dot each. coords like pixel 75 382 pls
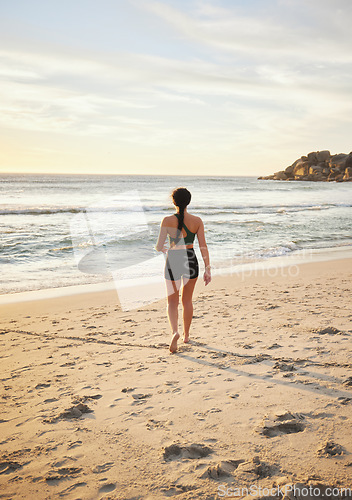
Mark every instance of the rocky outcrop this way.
pixel 317 166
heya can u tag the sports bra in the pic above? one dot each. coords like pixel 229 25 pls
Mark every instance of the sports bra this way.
pixel 188 239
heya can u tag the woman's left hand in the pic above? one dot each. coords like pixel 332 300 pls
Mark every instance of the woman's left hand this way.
pixel 207 277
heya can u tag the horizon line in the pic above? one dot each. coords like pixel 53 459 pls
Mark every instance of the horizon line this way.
pixel 123 175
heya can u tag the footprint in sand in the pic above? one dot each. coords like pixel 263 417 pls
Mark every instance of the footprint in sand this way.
pixel 72 488
pixel 50 400
pixel 171 382
pixel 141 397
pixel 83 399
pixel 43 385
pixel 154 424
pixel 221 470
pixel 330 449
pixel 255 469
pixel 107 488
pixel 330 330
pixel 64 472
pixel 176 489
pixel 70 413
pixel 284 367
pixel 104 363
pixel 73 445
pixel 193 451
pixel 274 346
pixel 99 469
pixel 245 470
pixel 284 423
pixel 348 381
pixel 344 401
pixel 8 466
pixel 203 415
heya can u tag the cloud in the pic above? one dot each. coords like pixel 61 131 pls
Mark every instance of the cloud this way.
pixel 150 100
pixel 255 79
pixel 272 34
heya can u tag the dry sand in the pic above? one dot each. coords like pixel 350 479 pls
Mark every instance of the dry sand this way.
pixel 94 406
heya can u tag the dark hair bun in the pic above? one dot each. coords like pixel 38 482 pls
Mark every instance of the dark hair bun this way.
pixel 181 197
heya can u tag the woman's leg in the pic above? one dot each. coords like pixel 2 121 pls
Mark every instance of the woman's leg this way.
pixel 187 294
pixel 172 288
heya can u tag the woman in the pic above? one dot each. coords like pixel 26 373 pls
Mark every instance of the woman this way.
pixel 182 261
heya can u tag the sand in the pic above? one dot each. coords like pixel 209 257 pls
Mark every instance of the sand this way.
pixel 94 405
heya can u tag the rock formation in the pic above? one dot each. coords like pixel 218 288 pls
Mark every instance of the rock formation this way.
pixel 317 166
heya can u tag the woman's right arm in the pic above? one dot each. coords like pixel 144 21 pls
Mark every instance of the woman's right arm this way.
pixel 204 251
pixel 160 246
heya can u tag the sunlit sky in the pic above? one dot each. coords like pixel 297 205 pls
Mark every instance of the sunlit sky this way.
pixel 217 87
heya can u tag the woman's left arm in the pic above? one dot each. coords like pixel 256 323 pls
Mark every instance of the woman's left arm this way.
pixel 160 246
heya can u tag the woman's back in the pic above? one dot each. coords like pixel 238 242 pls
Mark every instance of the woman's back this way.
pixel 192 222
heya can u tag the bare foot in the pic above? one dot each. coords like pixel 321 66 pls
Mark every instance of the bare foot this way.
pixel 173 345
pixel 186 339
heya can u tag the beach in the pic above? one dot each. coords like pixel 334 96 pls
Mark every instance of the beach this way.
pixel 95 406
pixel 117 119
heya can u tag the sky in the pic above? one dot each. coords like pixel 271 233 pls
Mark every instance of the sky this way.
pixel 177 87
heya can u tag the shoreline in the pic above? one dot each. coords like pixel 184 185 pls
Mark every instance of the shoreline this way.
pixel 293 259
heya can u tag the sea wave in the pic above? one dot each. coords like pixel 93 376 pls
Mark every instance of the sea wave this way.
pixel 39 210
pixel 261 209
pixel 60 210
pixel 266 253
pixel 214 210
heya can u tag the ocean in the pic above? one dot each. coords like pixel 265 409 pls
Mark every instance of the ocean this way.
pixel 63 230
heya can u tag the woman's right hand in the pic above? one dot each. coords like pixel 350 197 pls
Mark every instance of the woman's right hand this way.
pixel 207 276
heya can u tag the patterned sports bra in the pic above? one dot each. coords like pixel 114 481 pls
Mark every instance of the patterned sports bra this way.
pixel 188 239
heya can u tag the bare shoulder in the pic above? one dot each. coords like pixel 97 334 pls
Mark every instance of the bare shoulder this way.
pixel 166 220
pixel 195 218
pixel 196 221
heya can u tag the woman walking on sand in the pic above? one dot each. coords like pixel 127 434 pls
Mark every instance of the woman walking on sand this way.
pixel 181 261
